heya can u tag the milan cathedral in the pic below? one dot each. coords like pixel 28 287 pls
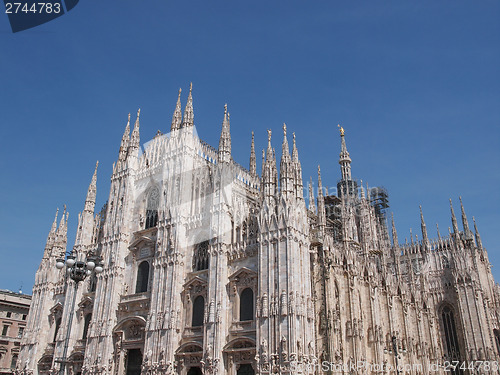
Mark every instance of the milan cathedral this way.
pixel 209 268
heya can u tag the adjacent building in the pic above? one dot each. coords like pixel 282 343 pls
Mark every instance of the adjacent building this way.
pixel 14 308
pixel 211 268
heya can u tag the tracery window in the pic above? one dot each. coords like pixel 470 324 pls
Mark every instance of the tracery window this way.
pixel 152 208
pixel 201 256
pixel 198 311
pixel 142 277
pixel 246 305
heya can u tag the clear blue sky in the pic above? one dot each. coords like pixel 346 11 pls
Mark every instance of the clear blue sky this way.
pixel 416 85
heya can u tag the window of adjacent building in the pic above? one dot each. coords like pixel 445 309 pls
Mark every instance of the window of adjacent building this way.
pixel 13 362
pixel 20 332
pixel 142 277
pixel 5 330
pixel 152 208
pixel 86 325
pixel 246 305
pixel 198 311
pixel 9 314
pixel 200 256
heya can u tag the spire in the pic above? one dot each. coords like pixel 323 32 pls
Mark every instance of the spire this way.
pixel 362 190
pixel 177 116
pixel 62 232
pixel 54 223
pixel 425 238
pixel 188 111
pixel 394 232
pixel 478 237
pixel 344 160
pixel 125 141
pixel 225 139
pixel 135 138
pixel 52 235
pixel 312 204
pixel 253 158
pixel 411 236
pixel 465 222
pixel 321 202
pixel 92 191
pixel 298 184
pixel 438 234
pixel 295 152
pixel 269 172
pixel 286 172
pixel 453 220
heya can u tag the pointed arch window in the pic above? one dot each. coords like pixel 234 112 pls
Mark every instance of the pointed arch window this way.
pixel 198 312
pixel 200 256
pixel 141 285
pixel 152 208
pixel 86 325
pixel 246 305
pixel 56 330
pixel 450 334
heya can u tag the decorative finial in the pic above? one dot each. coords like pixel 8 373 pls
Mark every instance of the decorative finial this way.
pixel 269 135
pixel 284 129
pixel 191 87
pixel 341 130
pixel 138 113
pixel 129 118
pixel 180 90
pixel 225 109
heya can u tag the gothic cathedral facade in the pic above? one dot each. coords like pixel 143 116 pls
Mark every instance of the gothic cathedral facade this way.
pixel 210 268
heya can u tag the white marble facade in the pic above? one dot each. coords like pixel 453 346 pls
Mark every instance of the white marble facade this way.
pixel 210 268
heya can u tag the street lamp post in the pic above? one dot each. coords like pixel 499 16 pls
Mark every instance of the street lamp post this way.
pixel 77 270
